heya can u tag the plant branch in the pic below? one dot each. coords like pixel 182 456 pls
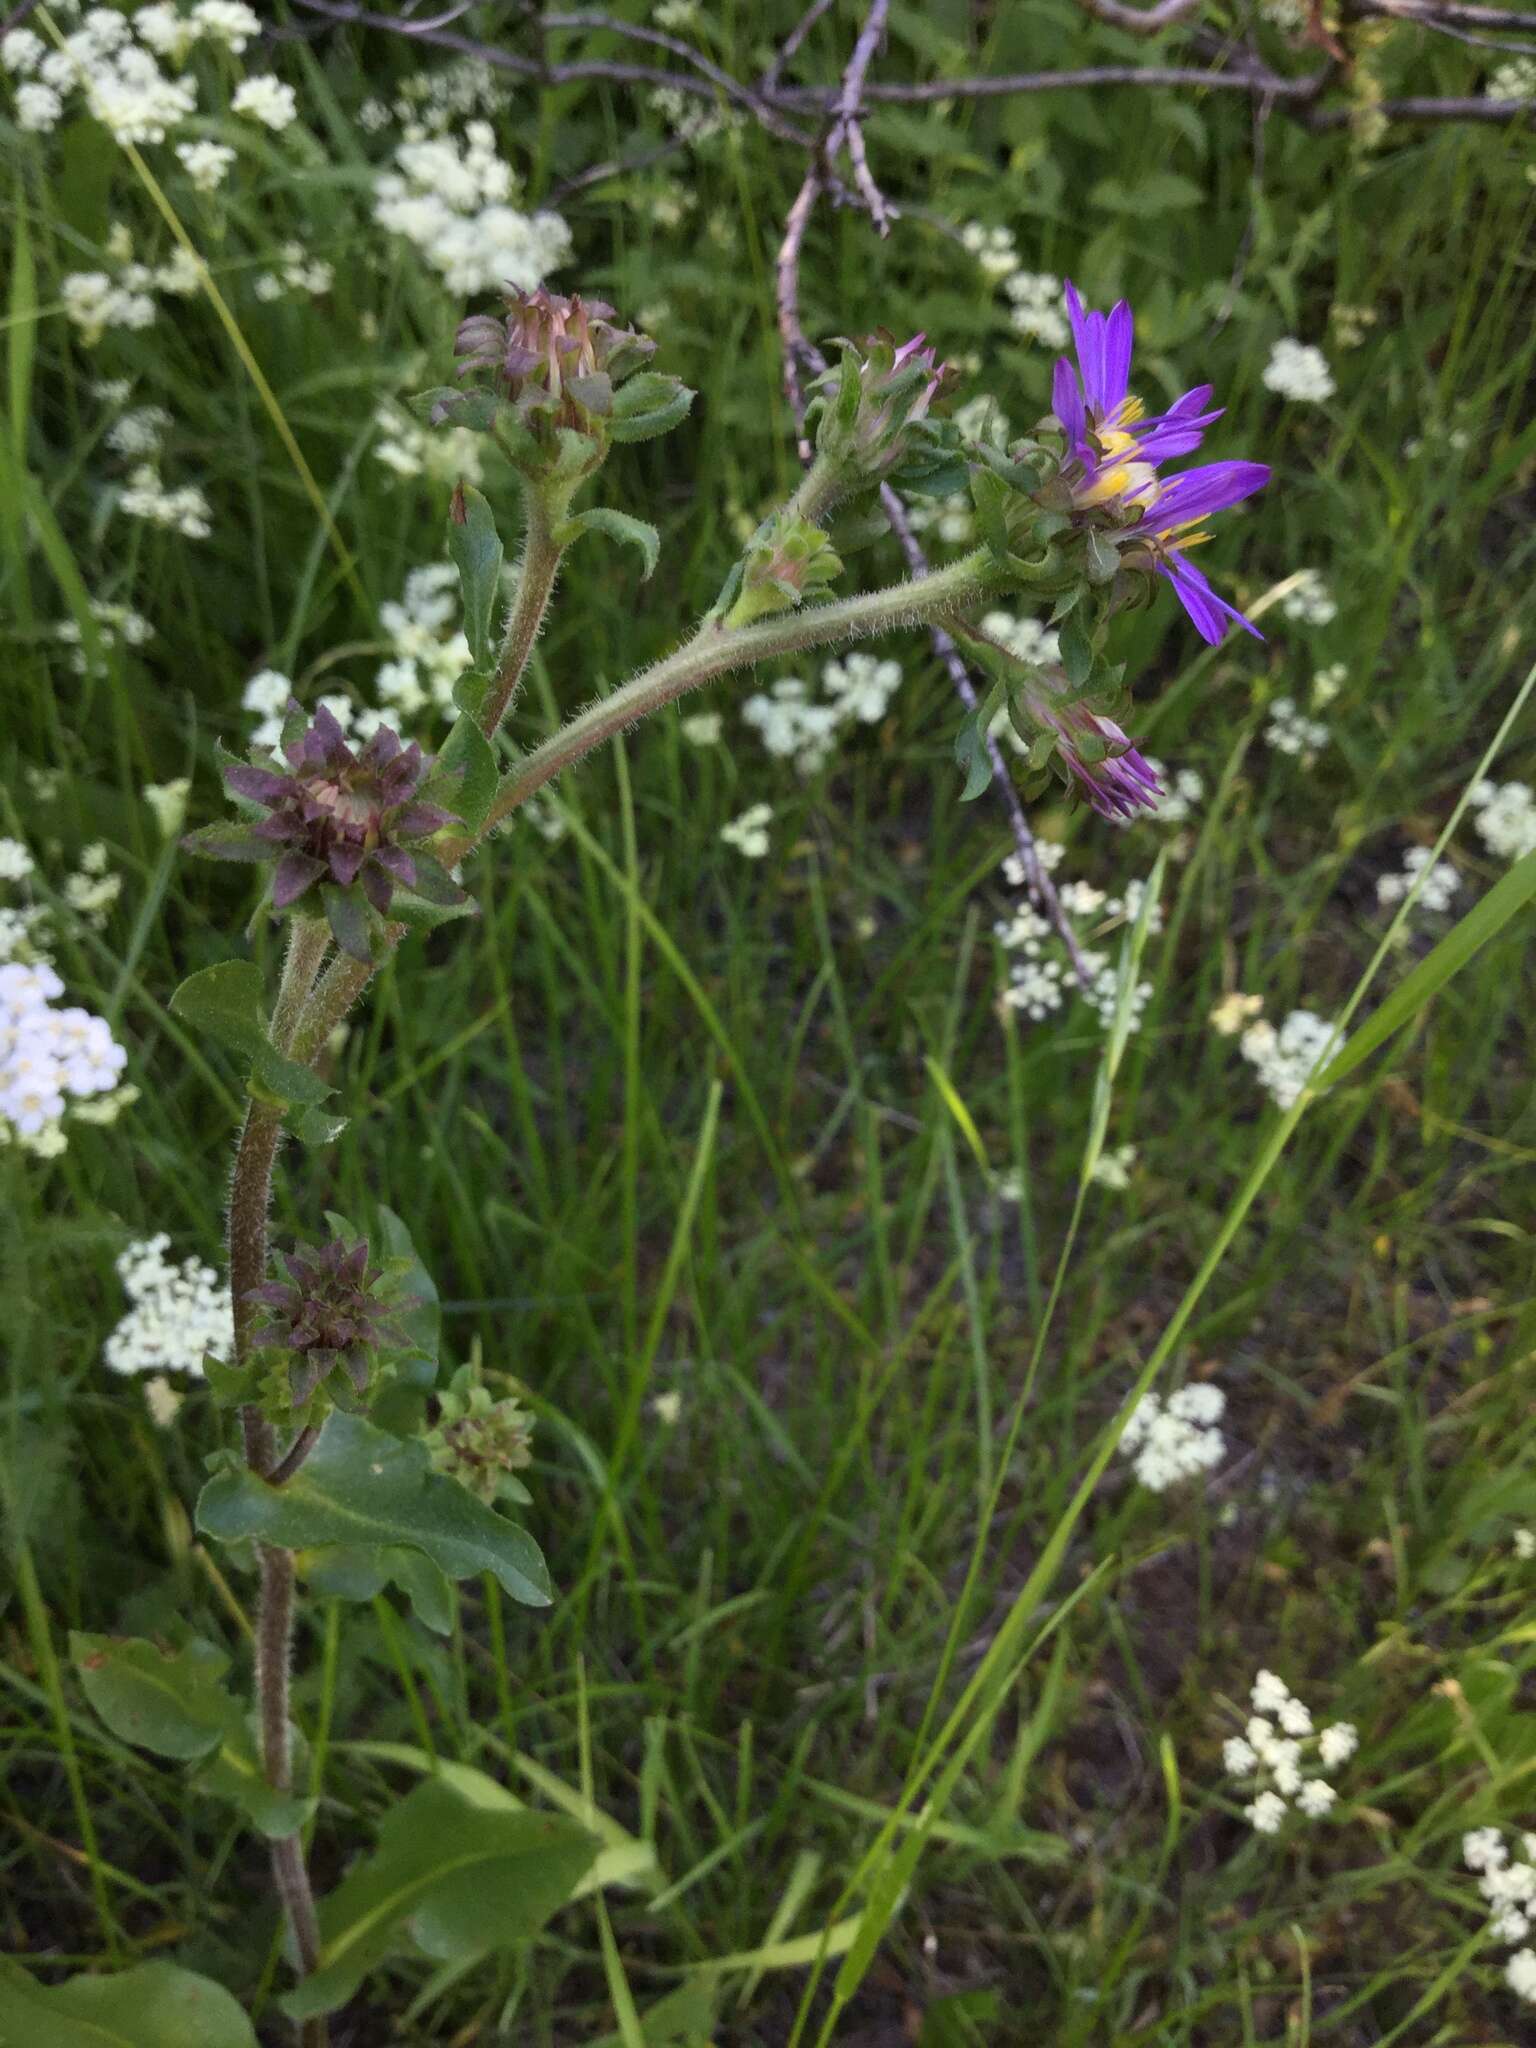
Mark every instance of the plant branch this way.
pixel 715 650
pixel 535 583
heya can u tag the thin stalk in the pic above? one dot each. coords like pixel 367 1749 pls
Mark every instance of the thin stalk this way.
pixel 535 582
pixel 250 1199
pixel 715 650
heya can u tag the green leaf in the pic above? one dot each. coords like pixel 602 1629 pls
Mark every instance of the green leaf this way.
pixel 226 1001
pixel 353 1574
pixel 313 1127
pixel 648 405
pixel 422 1321
pixel 475 549
pixel 635 533
pixel 455 1879
pixel 990 496
pixel 153 2005
pixel 361 1487
pixel 468 759
pixel 1151 192
pixel 1509 894
pixel 685 2017
pixel 348 917
pixel 172 1703
pixel 1076 651
pixel 471 690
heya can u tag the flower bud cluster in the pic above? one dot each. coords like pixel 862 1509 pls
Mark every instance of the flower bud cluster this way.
pixel 330 1330
pixel 481 1441
pixel 557 382
pixel 874 419
pixel 347 827
pixel 788 563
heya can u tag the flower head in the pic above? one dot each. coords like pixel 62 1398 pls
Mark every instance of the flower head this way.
pixel 874 411
pixel 561 356
pixel 331 1322
pixel 1113 454
pixel 480 1441
pixel 346 823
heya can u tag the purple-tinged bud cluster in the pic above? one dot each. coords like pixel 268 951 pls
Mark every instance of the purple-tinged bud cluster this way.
pixel 554 355
pixel 346 824
pixel 873 414
pixel 332 1322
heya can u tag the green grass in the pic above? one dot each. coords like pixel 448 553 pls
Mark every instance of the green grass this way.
pixel 663 1121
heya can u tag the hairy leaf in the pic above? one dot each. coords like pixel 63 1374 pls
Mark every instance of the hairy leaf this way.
pixel 153 2005
pixel 635 533
pixel 362 1488
pixel 475 549
pixel 227 1002
pixel 455 1879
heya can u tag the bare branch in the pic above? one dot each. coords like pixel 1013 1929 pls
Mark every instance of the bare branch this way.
pixel 790 46
pixel 847 132
pixel 1489 111
pixel 1141 21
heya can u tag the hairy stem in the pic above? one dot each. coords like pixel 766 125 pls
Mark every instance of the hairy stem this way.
pixel 250 1198
pixel 714 650
pixel 535 582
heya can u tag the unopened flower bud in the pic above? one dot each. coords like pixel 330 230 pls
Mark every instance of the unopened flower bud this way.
pixel 328 1330
pixel 480 1441
pixel 872 413
pixel 789 562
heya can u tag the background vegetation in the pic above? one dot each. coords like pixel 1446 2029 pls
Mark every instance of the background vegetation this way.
pixel 667 1123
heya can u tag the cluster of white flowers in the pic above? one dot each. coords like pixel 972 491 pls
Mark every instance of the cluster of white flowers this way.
pixel 702 728
pixel 951 519
pixel 51 1060
pixel 1174 1439
pixel 1112 1170
pixel 297 271
pixel 1291 731
pixel 1285 1059
pixel 1300 372
pixel 205 163
pixel 451 198
pixel 184 510
pixel 1509 1886
pixel 94 888
pixel 168 804
pixel 178 1313
pixel 1440 882
pixel 794 726
pixel 1514 80
pixel 120 78
pixel 408 449
pixel 95 300
pixel 116 624
pixel 140 432
pixel 749 833
pixel 690 118
pixel 1309 600
pixel 430 101
pixel 414 687
pixel 1278 1744
pixel 266 100
pixel 1506 818
pixel 1037 301
pixel 1040 979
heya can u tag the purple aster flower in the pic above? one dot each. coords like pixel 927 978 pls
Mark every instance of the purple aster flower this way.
pixel 348 824
pixel 1113 456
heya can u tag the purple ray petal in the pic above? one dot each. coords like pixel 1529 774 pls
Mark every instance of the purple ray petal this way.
pixel 259 784
pixel 1067 401
pixel 1208 489
pixel 1119 338
pixel 292 876
pixel 1208 612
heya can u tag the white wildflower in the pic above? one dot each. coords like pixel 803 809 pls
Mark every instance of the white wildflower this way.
pixel 39 107
pixel 1290 731
pixel 1299 372
pixel 791 726
pixel 1506 818
pixel 1309 600
pixel 995 250
pixel 1113 1169
pixel 1483 1849
pixel 168 803
pixel 229 23
pixel 16 862
pixel 1337 1744
pixel 1440 883
pixel 451 198
pixel 265 99
pixel 140 432
pixel 178 1313
pixel 1514 80
pixel 861 686
pixel 184 510
pixel 1266 1814
pixel 1233 1013
pixel 1286 1059
pixel 1169 1443
pixel 205 163
pixel 93 302
pixel 749 833
pixel 1315 1797
pixel 1525 1544
pixel 702 729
